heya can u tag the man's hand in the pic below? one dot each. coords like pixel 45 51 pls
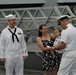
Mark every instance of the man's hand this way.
pixel 2 59
pixel 25 57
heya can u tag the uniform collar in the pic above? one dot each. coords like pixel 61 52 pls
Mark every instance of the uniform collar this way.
pixel 68 25
pixel 11 28
pixel 58 37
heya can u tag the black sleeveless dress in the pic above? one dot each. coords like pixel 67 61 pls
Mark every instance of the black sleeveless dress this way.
pixel 48 63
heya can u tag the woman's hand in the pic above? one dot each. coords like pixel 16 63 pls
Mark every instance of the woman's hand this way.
pixel 53 55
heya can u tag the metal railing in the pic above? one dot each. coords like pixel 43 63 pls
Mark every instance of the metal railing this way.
pixel 31 18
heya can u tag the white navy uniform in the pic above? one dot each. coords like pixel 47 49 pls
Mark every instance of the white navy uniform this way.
pixel 13 51
pixel 68 62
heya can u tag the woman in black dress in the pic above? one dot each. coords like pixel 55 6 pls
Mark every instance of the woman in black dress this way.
pixel 50 59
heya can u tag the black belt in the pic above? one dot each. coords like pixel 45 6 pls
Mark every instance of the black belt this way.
pixel 13 34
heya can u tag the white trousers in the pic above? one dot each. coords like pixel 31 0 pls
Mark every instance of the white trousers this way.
pixel 14 63
pixel 67 66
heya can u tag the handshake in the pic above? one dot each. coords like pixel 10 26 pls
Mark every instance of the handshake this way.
pixel 51 48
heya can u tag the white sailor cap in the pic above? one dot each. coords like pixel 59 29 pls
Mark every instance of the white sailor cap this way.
pixel 59 19
pixel 10 16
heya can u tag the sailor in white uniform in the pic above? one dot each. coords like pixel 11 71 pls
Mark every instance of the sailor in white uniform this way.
pixel 68 43
pixel 13 47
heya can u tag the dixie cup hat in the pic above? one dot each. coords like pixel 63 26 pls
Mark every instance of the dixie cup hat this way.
pixel 10 16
